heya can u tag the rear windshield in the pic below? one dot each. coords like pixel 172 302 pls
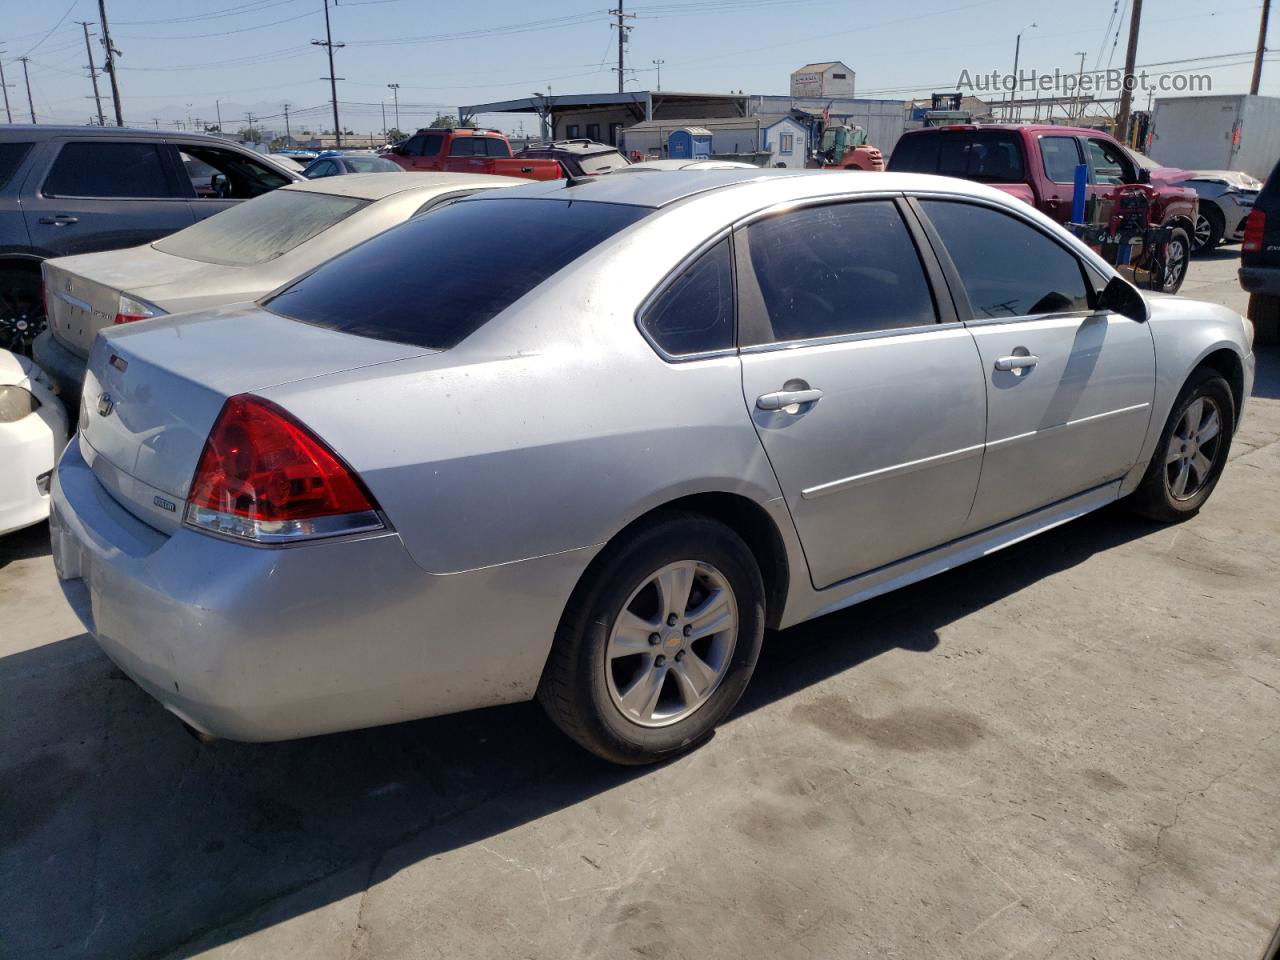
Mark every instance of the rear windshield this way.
pixel 11 155
pixel 992 156
pixel 372 165
pixel 260 229
pixel 602 162
pixel 438 278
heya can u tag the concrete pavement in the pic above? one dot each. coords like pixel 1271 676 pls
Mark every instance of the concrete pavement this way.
pixel 1070 749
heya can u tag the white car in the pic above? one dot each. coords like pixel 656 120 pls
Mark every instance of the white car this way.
pixel 237 255
pixel 647 166
pixel 33 431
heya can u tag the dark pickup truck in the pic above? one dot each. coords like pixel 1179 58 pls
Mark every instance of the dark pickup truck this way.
pixel 1037 162
pixel 1260 261
pixel 469 150
pixel 67 190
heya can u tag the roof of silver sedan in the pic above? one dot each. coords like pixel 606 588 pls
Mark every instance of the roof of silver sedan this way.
pixel 377 186
pixel 674 185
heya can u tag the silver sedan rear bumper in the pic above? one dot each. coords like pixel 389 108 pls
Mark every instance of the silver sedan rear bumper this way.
pixel 253 643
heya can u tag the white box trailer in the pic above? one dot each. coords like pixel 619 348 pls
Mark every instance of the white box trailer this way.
pixel 1228 132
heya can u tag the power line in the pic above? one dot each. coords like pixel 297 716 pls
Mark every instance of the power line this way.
pixel 61 19
pixel 226 33
pixel 255 6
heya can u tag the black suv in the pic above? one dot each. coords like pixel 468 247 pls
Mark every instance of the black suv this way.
pixel 1260 261
pixel 67 190
pixel 578 158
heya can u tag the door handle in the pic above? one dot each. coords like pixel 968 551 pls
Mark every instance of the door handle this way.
pixel 787 398
pixel 1023 361
pixel 60 219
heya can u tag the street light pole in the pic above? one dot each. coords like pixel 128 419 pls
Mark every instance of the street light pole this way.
pixel 659 63
pixel 1017 49
pixel 395 93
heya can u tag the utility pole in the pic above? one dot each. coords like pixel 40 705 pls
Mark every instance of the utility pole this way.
pixel 622 40
pixel 93 73
pixel 24 61
pixel 395 93
pixel 5 87
pixel 217 105
pixel 333 79
pixel 288 134
pixel 110 65
pixel 383 105
pixel 1130 55
pixel 249 117
pixel 1079 80
pixel 658 64
pixel 1262 46
pixel 156 121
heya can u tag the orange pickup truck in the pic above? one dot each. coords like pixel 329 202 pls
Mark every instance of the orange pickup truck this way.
pixel 469 150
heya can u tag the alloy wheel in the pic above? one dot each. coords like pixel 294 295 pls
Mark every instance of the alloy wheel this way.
pixel 1175 264
pixel 1193 448
pixel 1204 230
pixel 672 643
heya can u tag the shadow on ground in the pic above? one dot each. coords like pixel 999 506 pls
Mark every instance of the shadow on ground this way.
pixel 1267 381
pixel 24 544
pixel 130 839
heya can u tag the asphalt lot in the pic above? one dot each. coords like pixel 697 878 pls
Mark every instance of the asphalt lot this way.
pixel 1068 749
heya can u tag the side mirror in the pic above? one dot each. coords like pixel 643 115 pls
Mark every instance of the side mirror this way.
pixel 1120 296
pixel 1144 175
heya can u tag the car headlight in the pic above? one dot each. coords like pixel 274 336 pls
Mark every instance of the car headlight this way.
pixel 16 403
pixel 1240 197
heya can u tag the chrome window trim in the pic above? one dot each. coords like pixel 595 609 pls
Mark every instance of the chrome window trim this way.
pixel 850 337
pixel 1028 317
pixel 725 233
pixel 825 199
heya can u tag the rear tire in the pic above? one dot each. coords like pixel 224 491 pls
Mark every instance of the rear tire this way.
pixel 631 698
pixel 1177 253
pixel 1192 450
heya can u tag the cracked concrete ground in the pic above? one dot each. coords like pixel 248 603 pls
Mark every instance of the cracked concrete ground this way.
pixel 1069 749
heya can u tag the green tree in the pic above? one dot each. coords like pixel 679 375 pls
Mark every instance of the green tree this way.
pixel 395 135
pixel 249 134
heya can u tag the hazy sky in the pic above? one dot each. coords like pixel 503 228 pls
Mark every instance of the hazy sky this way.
pixel 179 56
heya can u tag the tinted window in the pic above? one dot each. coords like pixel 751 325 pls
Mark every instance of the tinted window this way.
pixel 1061 157
pixel 1008 268
pixel 434 280
pixel 413 146
pixel 846 268
pixel 916 153
pixel 695 312
pixel 994 157
pixel 11 156
pixel 1109 164
pixel 261 230
pixel 321 168
pixel 108 170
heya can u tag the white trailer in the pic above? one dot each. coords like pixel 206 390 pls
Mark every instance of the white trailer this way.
pixel 1228 132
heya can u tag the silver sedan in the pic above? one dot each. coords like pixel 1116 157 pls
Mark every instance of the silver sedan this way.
pixel 238 254
pixel 586 441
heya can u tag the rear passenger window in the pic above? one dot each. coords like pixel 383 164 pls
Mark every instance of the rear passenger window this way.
pixel 694 314
pixel 1008 268
pixel 1061 157
pixel 11 157
pixel 846 268
pixel 127 170
pixel 986 157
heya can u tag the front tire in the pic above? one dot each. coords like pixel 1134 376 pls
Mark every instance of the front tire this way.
pixel 1177 253
pixel 658 641
pixel 1192 450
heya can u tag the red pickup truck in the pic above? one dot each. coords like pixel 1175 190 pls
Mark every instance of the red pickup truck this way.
pixel 469 150
pixel 1037 162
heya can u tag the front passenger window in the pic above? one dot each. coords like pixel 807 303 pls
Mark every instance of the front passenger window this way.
pixel 1008 268
pixel 839 269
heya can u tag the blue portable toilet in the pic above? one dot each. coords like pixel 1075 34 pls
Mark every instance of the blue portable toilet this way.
pixel 689 143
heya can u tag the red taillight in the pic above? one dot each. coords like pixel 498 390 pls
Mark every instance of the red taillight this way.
pixel 1253 227
pixel 264 476
pixel 127 318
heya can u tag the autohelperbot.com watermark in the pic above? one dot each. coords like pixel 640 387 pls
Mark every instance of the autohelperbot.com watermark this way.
pixel 1093 83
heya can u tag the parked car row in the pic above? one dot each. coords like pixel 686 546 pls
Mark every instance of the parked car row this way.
pixel 414 478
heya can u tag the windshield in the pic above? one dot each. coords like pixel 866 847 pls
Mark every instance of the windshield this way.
pixel 603 162
pixel 436 279
pixel 261 229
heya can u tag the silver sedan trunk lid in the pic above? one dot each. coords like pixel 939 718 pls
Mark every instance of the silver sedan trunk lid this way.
pixel 152 393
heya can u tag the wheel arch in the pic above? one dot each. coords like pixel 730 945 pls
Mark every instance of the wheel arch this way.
pixel 1185 222
pixel 745 517
pixel 1228 363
